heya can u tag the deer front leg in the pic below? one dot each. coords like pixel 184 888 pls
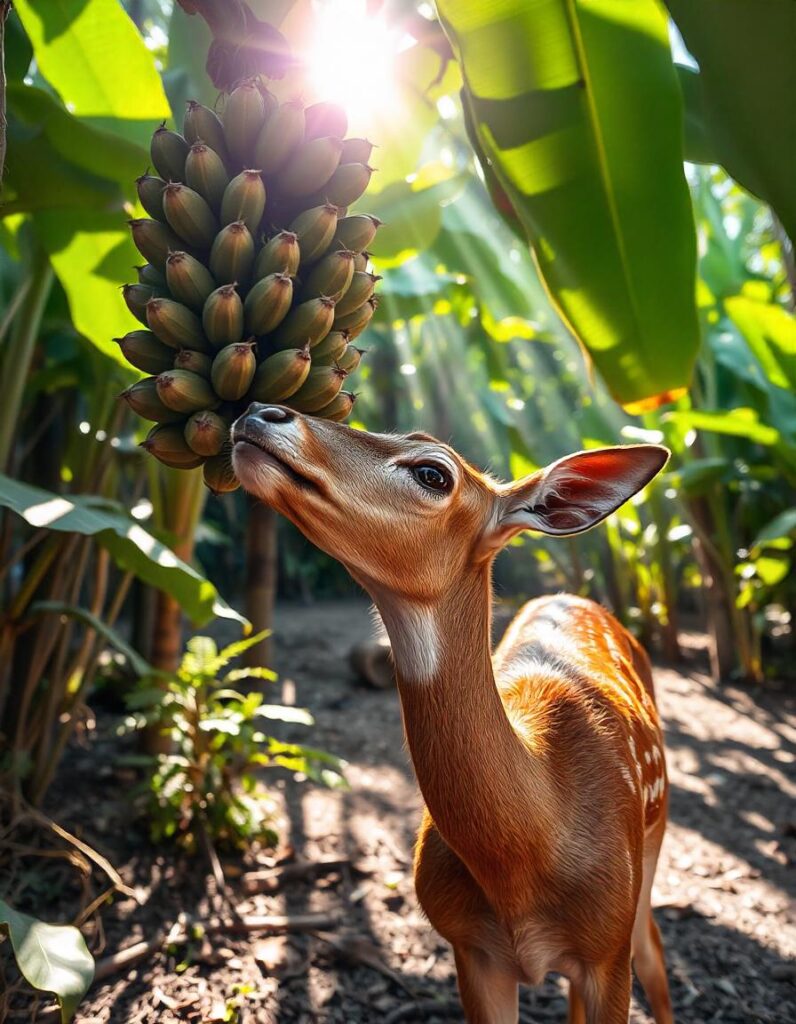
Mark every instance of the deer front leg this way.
pixel 606 993
pixel 489 991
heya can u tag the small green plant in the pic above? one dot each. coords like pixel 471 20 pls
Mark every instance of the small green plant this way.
pixel 208 782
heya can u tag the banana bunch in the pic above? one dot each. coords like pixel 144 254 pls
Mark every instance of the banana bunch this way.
pixel 257 281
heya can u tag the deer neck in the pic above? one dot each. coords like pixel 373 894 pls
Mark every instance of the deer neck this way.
pixel 476 775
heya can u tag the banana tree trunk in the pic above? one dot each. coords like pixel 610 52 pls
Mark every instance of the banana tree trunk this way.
pixel 5 7
pixel 261 578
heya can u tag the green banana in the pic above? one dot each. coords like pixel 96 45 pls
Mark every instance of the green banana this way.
pixel 189 215
pixel 359 291
pixel 356 151
pixel 196 362
pixel 206 174
pixel 147 274
pixel 206 433
pixel 325 119
pixel 175 324
pixel 189 281
pixel 314 229
pixel 244 199
pixel 143 351
pixel 339 408
pixel 328 351
pixel 321 386
pixel 330 276
pixel 168 445
pixel 222 316
pixel 280 135
pixel 219 476
pixel 136 297
pixel 346 185
pixel 184 391
pixel 351 358
pixel 308 322
pixel 232 254
pixel 150 195
pixel 154 241
pixel 143 398
pixel 310 167
pixel 202 124
pixel 168 151
pixel 356 321
pixel 233 370
pixel 243 117
pixel 268 303
pixel 281 375
pixel 280 255
pixel 355 232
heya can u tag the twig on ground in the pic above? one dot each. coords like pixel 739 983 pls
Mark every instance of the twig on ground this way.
pixel 241 926
pixel 357 949
pixel 272 879
pixel 423 1008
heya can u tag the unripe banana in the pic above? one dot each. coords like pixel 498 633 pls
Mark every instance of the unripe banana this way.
pixel 362 261
pixel 325 119
pixel 202 124
pixel 206 174
pixel 310 167
pixel 219 476
pixel 355 232
pixel 232 254
pixel 147 274
pixel 189 281
pixel 196 362
pixel 280 255
pixel 143 398
pixel 184 391
pixel 175 324
pixel 189 215
pixel 136 296
pixel 168 151
pixel 328 351
pixel 339 408
pixel 280 135
pixel 308 322
pixel 243 118
pixel 351 358
pixel 346 185
pixel 359 291
pixel 356 151
pixel 150 195
pixel 356 322
pixel 233 370
pixel 267 303
pixel 206 433
pixel 222 316
pixel 169 446
pixel 244 199
pixel 330 276
pixel 281 375
pixel 315 229
pixel 321 386
pixel 154 241
pixel 143 351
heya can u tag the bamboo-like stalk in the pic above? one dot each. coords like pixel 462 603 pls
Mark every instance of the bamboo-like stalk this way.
pixel 261 578
pixel 19 352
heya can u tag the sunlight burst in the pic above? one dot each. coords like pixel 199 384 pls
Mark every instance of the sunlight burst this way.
pixel 351 60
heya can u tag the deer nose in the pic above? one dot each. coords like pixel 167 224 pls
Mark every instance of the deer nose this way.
pixel 269 413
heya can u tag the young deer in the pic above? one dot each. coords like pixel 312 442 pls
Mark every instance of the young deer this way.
pixel 542 768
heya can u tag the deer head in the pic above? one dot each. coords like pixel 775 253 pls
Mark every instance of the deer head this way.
pixel 406 514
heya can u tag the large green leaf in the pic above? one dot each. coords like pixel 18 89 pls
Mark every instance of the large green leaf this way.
pixel 52 958
pixel 412 215
pixel 92 55
pixel 132 548
pixel 745 52
pixel 576 104
pixel 92 254
pixel 97 151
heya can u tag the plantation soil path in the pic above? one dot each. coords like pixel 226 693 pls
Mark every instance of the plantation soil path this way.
pixel 722 894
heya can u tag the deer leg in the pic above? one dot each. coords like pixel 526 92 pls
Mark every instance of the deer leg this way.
pixel 577 1010
pixel 648 959
pixel 606 993
pixel 489 992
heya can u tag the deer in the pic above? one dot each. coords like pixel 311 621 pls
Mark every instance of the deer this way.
pixel 542 767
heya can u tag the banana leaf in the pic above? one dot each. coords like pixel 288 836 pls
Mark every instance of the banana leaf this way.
pixel 577 108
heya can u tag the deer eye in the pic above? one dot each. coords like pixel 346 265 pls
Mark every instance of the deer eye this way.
pixel 432 478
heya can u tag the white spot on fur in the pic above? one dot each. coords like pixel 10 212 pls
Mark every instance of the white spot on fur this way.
pixel 628 777
pixel 414 637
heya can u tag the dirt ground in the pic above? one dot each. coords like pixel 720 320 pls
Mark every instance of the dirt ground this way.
pixel 723 893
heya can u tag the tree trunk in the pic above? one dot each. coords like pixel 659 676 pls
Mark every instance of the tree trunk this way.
pixel 261 578
pixel 5 7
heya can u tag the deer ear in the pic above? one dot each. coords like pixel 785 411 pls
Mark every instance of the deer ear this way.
pixel 578 491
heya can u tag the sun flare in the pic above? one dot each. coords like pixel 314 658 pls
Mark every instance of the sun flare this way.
pixel 351 61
